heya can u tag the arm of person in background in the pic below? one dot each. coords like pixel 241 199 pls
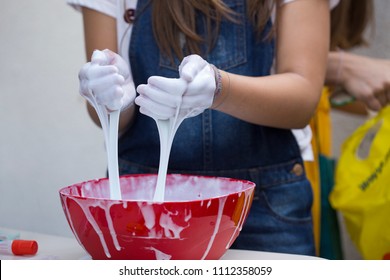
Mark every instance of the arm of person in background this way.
pixel 289 98
pixel 366 79
pixel 100 33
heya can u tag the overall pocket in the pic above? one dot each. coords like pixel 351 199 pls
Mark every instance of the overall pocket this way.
pixel 285 192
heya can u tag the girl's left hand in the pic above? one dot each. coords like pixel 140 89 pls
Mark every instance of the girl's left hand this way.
pixel 192 93
pixel 160 97
pixel 200 91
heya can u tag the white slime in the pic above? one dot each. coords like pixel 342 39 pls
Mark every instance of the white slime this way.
pixel 167 129
pixel 110 122
pixel 221 205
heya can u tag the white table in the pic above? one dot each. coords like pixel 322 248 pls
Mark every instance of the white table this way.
pixel 66 248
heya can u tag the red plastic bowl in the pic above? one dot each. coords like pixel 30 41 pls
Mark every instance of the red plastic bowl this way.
pixel 199 219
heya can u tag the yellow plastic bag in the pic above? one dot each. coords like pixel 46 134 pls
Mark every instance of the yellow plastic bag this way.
pixel 362 186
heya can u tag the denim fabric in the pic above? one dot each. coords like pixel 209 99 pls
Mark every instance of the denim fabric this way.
pixel 215 143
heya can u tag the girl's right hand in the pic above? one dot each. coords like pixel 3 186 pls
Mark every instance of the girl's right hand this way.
pixel 106 80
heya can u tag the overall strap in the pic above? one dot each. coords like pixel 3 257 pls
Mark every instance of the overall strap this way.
pixel 125 19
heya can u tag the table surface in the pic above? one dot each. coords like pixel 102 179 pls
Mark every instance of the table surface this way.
pixel 52 247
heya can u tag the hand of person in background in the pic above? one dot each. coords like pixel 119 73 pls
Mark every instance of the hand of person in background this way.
pixel 193 92
pixel 366 79
pixel 107 80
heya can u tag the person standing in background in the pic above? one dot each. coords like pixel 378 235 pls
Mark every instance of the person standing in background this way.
pixel 354 83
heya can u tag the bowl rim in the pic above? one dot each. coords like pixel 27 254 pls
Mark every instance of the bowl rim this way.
pixel 249 186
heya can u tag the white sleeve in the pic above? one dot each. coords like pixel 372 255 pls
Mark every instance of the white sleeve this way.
pixel 108 7
pixel 303 137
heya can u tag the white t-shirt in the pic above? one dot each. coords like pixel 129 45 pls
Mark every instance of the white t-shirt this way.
pixel 117 8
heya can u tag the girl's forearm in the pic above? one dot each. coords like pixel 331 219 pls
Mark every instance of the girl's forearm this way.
pixel 283 100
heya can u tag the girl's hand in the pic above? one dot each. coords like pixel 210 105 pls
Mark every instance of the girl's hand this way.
pixel 107 80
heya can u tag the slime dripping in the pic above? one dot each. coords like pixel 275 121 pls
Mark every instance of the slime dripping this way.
pixel 167 129
pixel 109 121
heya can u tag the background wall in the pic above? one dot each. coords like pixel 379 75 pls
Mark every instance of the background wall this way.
pixel 47 139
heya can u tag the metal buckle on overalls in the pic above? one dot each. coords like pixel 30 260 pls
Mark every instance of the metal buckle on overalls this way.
pixel 129 15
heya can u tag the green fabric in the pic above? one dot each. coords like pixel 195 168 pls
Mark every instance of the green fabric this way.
pixel 330 241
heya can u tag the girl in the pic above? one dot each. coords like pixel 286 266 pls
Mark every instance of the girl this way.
pixel 243 128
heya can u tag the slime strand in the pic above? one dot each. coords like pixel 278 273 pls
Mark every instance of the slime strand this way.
pixel 112 154
pixel 167 130
pixel 110 123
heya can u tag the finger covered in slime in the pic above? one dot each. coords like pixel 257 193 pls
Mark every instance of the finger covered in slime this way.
pixel 109 121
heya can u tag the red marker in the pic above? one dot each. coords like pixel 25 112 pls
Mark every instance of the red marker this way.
pixel 18 247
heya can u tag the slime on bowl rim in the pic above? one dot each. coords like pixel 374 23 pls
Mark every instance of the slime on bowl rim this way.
pixel 80 185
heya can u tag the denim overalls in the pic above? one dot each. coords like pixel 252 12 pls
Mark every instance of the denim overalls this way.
pixel 217 144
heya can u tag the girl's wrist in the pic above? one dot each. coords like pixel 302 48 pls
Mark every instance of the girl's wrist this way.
pixel 218 81
pixel 220 93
